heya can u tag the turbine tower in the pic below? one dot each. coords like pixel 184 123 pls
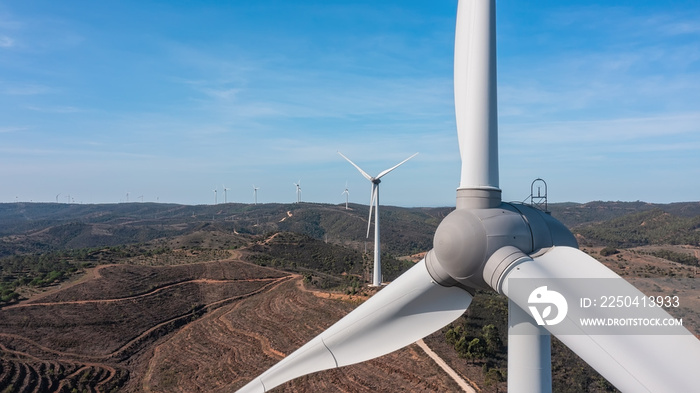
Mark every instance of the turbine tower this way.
pixel 255 194
pixel 511 249
pixel 216 200
pixel 225 193
pixel 374 201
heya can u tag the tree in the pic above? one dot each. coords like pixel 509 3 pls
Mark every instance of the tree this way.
pixel 476 349
pixel 492 339
pixel 493 376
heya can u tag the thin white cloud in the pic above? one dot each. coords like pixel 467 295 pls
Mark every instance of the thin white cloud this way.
pixel 12 129
pixel 602 131
pixel 224 94
pixel 6 42
pixel 29 89
pixel 56 109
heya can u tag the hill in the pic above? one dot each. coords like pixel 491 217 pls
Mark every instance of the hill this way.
pixel 42 227
pixel 158 297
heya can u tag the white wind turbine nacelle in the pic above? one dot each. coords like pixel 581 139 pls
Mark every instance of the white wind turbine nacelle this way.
pixel 486 244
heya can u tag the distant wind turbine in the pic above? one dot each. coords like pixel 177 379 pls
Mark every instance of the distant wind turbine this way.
pixel 298 185
pixel 216 200
pixel 374 201
pixel 347 195
pixel 57 195
pixel 225 193
pixel 255 193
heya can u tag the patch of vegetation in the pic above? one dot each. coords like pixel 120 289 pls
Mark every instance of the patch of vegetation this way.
pixel 570 374
pixel 330 265
pixel 45 269
pixel 645 228
pixel 673 256
pixel 480 335
pixel 36 270
pixel 607 251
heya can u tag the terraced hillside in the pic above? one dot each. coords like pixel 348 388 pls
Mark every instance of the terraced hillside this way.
pixel 201 327
pixel 88 335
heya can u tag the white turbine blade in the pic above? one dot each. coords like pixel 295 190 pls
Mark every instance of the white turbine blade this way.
pixel 631 362
pixel 408 309
pixel 372 201
pixel 475 93
pixel 394 167
pixel 368 177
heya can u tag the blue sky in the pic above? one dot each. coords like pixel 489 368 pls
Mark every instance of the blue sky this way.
pixel 171 99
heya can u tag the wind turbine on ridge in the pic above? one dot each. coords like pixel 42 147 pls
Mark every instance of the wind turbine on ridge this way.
pixel 298 186
pixel 225 193
pixel 255 194
pixel 216 200
pixel 491 245
pixel 374 202
pixel 347 195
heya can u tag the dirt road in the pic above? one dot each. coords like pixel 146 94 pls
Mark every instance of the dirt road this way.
pixel 451 372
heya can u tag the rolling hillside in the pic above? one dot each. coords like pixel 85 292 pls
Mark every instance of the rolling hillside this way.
pixel 232 285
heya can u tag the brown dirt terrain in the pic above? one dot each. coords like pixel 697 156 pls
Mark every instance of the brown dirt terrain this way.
pixel 660 277
pixel 237 342
pixel 198 327
pixel 87 335
pixel 213 326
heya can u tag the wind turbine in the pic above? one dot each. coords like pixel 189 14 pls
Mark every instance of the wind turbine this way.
pixel 225 193
pixel 347 195
pixel 487 244
pixel 216 200
pixel 255 194
pixel 374 201
pixel 298 186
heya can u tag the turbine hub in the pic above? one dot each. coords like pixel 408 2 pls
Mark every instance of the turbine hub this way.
pixel 468 238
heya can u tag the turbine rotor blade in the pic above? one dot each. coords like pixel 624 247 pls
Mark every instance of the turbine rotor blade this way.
pixel 410 308
pixel 368 177
pixel 475 93
pixel 372 201
pixel 631 362
pixel 394 167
